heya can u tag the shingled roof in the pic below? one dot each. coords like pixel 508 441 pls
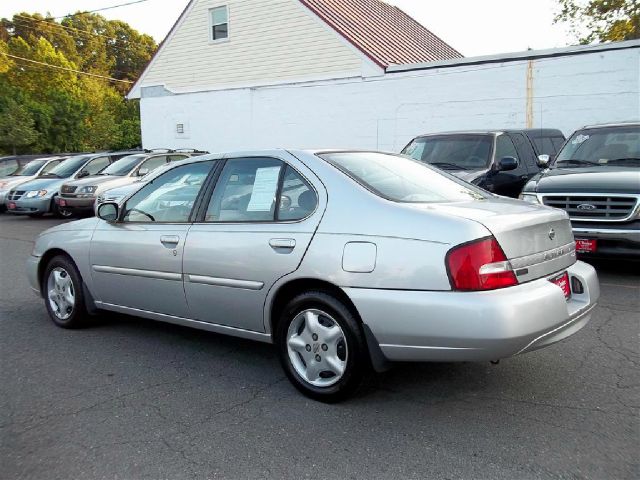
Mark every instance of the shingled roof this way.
pixel 381 31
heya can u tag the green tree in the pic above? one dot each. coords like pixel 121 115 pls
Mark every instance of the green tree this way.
pixel 601 20
pixel 16 126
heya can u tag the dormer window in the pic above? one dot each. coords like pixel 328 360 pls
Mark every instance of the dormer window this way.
pixel 219 17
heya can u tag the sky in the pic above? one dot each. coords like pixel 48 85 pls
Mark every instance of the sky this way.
pixel 472 27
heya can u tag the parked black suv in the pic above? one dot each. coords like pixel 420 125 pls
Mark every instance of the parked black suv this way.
pixel 500 161
pixel 595 178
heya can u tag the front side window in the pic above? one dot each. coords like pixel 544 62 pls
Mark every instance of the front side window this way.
pixel 123 166
pixel 505 148
pixel 169 197
pixel 613 146
pixel 96 165
pixel 68 167
pixel 151 164
pixel 30 168
pixel 50 166
pixel 219 23
pixel 402 179
pixel 452 152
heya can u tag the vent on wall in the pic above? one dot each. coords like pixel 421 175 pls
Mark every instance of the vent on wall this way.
pixel 180 128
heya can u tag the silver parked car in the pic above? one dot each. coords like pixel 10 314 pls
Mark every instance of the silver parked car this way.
pixel 25 173
pixel 343 259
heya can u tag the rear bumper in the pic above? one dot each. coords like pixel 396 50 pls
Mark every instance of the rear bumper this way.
pixel 470 326
pixel 29 206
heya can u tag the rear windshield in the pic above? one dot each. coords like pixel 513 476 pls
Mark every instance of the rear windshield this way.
pixel 123 166
pixel 402 179
pixel 607 146
pixel 452 152
pixel 30 168
pixel 69 166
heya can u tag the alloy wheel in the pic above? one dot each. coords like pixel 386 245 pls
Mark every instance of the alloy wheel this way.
pixel 317 347
pixel 61 293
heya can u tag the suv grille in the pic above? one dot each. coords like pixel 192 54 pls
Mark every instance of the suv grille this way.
pixel 68 189
pixel 15 194
pixel 585 207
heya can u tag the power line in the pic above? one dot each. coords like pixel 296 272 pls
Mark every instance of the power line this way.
pixel 101 9
pixel 68 69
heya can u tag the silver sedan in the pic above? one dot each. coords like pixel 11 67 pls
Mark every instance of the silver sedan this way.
pixel 345 260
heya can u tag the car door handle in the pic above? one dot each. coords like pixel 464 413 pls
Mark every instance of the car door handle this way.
pixel 288 243
pixel 169 241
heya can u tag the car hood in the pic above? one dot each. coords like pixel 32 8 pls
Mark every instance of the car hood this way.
pixel 122 191
pixel 12 182
pixel 44 183
pixel 589 180
pixel 92 180
pixel 84 224
pixel 466 175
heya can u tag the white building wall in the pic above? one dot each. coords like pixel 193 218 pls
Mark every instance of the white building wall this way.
pixel 386 112
pixel 269 41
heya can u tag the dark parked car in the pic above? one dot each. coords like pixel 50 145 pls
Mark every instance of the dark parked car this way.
pixel 596 179
pixel 500 161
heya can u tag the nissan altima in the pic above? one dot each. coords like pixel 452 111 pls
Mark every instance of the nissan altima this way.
pixel 345 260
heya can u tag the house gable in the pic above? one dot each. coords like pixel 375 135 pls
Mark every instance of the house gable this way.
pixel 270 42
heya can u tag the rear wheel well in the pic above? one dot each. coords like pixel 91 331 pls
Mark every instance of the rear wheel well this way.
pixel 295 287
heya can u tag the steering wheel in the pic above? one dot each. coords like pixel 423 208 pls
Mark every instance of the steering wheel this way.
pixel 148 215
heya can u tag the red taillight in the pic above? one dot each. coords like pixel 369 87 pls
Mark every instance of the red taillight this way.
pixel 479 265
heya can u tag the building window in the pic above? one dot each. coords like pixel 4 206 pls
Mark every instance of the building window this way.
pixel 180 128
pixel 219 23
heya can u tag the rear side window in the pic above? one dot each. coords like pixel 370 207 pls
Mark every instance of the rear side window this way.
pixel 246 191
pixel 402 179
pixel 297 198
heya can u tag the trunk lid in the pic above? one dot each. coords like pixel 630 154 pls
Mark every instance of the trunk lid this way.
pixel 537 240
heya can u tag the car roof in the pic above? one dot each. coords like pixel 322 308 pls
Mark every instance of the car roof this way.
pixel 607 125
pixel 527 131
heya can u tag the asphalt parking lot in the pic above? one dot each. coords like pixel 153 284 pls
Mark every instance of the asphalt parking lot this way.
pixel 132 399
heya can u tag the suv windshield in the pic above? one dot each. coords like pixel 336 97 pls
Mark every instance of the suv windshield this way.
pixel 123 166
pixel 69 166
pixel 606 146
pixel 30 168
pixel 402 179
pixel 453 152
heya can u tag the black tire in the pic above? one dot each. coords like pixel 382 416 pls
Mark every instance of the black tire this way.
pixel 60 212
pixel 357 361
pixel 79 315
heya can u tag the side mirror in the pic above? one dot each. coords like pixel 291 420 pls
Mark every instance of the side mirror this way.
pixel 507 163
pixel 543 161
pixel 142 172
pixel 82 174
pixel 108 211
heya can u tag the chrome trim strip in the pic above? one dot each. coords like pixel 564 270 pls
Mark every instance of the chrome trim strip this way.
pixel 134 272
pixel 634 211
pixel 224 282
pixel 613 231
pixel 568 249
pixel 391 345
pixel 579 315
pixel 187 322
